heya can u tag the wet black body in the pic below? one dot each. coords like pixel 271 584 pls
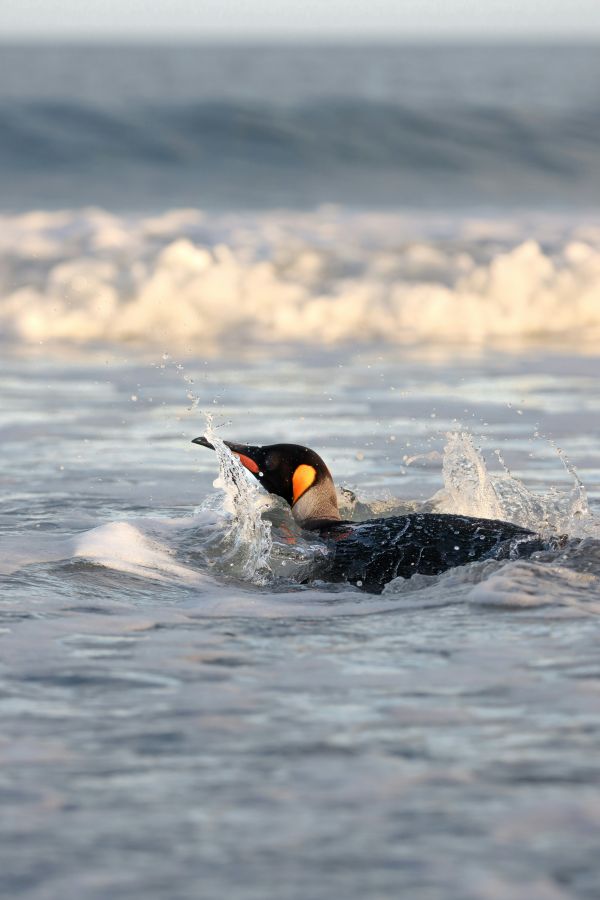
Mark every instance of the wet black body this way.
pixel 372 553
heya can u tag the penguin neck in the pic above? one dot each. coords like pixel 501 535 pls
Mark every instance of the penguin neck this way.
pixel 317 506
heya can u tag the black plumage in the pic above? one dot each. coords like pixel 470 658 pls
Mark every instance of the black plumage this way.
pixel 370 554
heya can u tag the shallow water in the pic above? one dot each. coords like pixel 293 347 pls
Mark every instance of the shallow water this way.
pixel 181 718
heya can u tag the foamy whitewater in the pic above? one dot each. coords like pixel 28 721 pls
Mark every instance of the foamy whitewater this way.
pixel 328 277
pixel 391 255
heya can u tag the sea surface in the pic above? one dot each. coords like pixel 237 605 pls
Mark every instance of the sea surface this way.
pixel 391 255
pixel 263 126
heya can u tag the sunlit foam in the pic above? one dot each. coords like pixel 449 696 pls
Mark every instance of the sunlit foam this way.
pixel 316 279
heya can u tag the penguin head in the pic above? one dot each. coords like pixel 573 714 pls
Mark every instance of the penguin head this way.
pixel 293 472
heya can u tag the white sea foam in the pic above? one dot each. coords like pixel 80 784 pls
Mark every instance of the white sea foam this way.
pixel 183 279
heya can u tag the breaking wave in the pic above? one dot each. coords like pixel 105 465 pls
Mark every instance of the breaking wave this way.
pixel 186 279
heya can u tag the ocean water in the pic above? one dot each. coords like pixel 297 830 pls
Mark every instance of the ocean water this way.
pixel 214 126
pixel 393 256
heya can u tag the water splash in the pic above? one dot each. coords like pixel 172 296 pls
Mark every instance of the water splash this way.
pixel 471 489
pixel 246 545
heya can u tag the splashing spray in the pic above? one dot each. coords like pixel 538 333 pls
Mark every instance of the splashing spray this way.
pixel 248 542
pixel 470 489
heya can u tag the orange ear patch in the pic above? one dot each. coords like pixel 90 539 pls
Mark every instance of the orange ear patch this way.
pixel 248 463
pixel 302 479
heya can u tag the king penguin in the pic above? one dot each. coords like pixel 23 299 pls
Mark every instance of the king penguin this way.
pixel 372 553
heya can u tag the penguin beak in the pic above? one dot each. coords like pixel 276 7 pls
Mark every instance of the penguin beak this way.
pixel 203 442
pixel 244 453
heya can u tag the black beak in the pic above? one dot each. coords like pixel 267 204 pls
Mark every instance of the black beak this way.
pixel 250 457
pixel 203 442
pixel 241 449
pixel 235 448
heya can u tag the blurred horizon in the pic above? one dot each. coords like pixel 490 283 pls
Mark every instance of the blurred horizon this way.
pixel 143 126
pixel 306 39
pixel 286 21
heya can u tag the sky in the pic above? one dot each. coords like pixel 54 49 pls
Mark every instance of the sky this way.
pixel 315 19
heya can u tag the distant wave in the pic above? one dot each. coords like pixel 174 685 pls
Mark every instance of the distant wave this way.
pixel 189 279
pixel 343 150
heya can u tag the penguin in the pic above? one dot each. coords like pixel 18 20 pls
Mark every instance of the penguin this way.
pixel 370 554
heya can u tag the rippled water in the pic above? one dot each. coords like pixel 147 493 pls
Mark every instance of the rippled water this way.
pixel 180 721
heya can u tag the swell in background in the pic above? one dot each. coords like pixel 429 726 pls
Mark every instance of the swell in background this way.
pixel 214 126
